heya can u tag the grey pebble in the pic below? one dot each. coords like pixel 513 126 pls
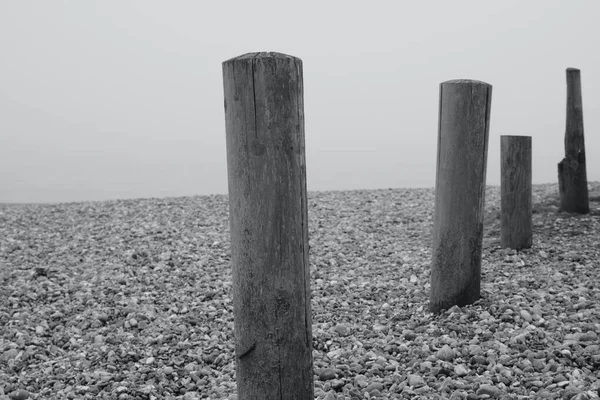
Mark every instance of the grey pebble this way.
pixel 326 374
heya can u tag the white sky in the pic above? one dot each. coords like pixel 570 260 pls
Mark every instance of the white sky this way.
pixel 120 98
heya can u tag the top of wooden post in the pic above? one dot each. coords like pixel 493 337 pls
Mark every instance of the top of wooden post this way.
pixel 466 81
pixel 261 55
pixel 515 136
pixel 572 70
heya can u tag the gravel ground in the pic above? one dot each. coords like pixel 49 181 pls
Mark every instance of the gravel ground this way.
pixel 131 300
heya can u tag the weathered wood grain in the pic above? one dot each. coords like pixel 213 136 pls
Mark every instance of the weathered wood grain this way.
pixel 515 192
pixel 264 114
pixel 572 173
pixel 460 193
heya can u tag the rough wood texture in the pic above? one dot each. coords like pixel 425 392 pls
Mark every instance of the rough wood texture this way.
pixel 264 113
pixel 460 193
pixel 572 174
pixel 515 192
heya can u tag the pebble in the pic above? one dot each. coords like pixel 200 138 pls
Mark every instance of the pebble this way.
pixel 360 381
pixel 488 390
pixel 19 395
pixel 327 374
pixel 460 370
pixel 374 386
pixel 9 354
pixel 526 316
pixel 380 328
pixel 416 381
pixel 102 317
pixel 445 353
pixel 581 396
pixel 330 396
pixel 337 383
pixel 458 395
pixel 342 330
pixel 559 378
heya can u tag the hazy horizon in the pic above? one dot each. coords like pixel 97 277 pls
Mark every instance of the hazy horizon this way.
pixel 124 99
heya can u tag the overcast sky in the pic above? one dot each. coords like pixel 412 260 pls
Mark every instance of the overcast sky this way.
pixel 122 99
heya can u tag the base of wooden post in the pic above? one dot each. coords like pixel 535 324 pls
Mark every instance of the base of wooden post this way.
pixel 572 185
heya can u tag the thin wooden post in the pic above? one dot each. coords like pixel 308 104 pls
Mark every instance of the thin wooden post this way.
pixel 572 174
pixel 264 113
pixel 515 192
pixel 460 193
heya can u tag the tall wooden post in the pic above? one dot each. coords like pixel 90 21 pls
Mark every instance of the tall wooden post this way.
pixel 264 113
pixel 572 174
pixel 515 192
pixel 460 192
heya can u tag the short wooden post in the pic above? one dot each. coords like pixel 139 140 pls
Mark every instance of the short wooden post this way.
pixel 515 192
pixel 264 113
pixel 572 174
pixel 460 192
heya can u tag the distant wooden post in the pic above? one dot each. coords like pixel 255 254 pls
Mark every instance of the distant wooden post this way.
pixel 515 190
pixel 264 113
pixel 460 192
pixel 572 174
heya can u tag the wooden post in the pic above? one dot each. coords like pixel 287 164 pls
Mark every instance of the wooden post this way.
pixel 572 174
pixel 515 189
pixel 460 192
pixel 264 113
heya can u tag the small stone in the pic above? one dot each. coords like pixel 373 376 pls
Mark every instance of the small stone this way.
pixel 133 322
pixel 39 330
pixel 326 374
pixel 488 389
pixel 588 337
pixel 337 383
pixel 210 358
pixel 19 395
pixel 559 378
pixel 102 317
pixel 149 360
pixel 580 396
pixel 461 370
pixel 9 354
pixel 190 366
pixel 168 370
pixel 545 394
pixel 330 396
pixel 342 330
pixel 380 328
pixel 360 381
pixel 458 395
pixel 479 360
pixel 374 386
pixel 526 316
pixel 410 335
pixel 415 381
pixel 445 353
